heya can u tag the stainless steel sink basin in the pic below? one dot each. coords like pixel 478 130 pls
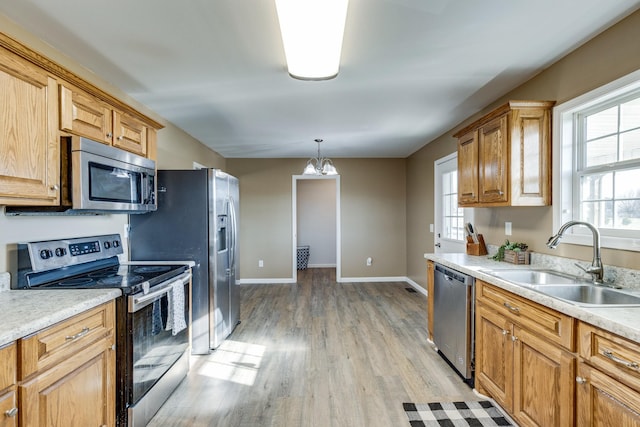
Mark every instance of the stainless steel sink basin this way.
pixel 590 295
pixel 536 277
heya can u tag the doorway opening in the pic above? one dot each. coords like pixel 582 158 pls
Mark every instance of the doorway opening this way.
pixel 449 219
pixel 316 221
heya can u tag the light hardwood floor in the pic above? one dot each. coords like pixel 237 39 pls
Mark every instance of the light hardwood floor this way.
pixel 317 353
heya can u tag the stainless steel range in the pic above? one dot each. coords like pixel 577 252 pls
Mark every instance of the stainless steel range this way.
pixel 152 315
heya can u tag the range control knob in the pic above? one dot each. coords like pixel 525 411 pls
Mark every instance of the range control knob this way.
pixel 107 245
pixel 46 253
pixel 116 243
pixel 61 251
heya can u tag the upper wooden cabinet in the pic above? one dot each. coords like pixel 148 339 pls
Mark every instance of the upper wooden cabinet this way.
pixel 29 147
pixel 85 115
pixel 504 158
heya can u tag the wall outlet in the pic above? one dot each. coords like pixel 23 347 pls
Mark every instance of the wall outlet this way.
pixel 431 228
pixel 507 228
pixel 369 261
pixel 260 263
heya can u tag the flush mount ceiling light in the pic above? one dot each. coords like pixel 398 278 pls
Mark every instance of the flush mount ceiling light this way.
pixel 319 165
pixel 312 32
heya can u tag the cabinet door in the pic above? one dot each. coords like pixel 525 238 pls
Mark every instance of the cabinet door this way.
pixel 493 161
pixel 468 169
pixel 494 356
pixel 129 133
pixel 530 157
pixel 603 401
pixel 79 392
pixel 29 146
pixel 84 115
pixel 543 382
pixel 8 410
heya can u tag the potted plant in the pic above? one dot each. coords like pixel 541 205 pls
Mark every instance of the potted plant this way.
pixel 513 252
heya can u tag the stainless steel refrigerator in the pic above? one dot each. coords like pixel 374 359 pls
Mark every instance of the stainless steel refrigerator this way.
pixel 197 220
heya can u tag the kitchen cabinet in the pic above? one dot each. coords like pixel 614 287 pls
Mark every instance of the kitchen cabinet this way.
pixel 608 380
pixel 430 284
pixel 67 372
pixel 504 158
pixel 8 401
pixel 29 148
pixel 86 115
pixel 524 351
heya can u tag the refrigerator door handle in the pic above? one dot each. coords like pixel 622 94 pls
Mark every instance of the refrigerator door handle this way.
pixel 232 248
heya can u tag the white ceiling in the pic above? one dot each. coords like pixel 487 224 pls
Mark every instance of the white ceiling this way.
pixel 410 70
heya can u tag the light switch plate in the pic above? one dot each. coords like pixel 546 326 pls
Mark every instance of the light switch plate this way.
pixel 507 228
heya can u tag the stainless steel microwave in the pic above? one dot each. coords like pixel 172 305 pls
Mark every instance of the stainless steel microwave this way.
pixel 99 178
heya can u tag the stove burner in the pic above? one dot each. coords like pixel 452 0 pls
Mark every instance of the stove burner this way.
pixel 78 281
pixel 121 280
pixel 152 269
pixel 103 274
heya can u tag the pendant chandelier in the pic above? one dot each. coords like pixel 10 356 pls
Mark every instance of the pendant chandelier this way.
pixel 319 165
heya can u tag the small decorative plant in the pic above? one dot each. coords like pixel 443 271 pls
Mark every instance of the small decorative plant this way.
pixel 509 246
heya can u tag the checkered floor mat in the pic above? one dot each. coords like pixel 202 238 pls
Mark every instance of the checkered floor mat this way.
pixel 455 414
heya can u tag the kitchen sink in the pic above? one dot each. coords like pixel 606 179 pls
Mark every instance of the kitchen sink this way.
pixel 536 277
pixel 590 295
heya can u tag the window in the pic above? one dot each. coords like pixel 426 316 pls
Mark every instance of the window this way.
pixel 453 216
pixel 597 164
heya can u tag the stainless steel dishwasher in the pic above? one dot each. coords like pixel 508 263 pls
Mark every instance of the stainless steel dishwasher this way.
pixel 453 319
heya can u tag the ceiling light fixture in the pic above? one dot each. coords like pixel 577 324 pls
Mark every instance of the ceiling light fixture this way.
pixel 319 165
pixel 312 32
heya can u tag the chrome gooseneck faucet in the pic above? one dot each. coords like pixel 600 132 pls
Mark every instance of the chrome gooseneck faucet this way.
pixel 596 269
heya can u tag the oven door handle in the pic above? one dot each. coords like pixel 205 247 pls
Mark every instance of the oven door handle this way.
pixel 138 302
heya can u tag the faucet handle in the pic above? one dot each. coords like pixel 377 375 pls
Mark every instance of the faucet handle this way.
pixel 581 267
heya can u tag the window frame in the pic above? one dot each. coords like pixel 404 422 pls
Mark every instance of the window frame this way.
pixel 565 161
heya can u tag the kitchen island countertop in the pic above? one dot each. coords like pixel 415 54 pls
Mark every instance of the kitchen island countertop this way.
pixel 623 321
pixel 23 312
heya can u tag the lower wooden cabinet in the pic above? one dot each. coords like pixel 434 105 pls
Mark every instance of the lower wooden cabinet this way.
pixel 74 381
pixel 603 401
pixel 8 409
pixel 8 400
pixel 527 374
pixel 430 283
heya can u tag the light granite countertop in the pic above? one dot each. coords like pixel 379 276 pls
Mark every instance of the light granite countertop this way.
pixel 624 321
pixel 23 312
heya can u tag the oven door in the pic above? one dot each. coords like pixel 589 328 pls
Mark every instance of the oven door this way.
pixel 155 345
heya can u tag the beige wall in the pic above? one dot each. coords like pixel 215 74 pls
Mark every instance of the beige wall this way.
pixel 176 149
pixel 612 54
pixel 372 216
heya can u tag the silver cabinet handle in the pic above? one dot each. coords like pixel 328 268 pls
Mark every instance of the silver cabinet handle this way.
pixel 505 332
pixel 120 138
pixel 109 135
pixel 11 412
pixel 55 187
pixel 581 380
pixel 80 334
pixel 514 338
pixel 627 364
pixel 511 307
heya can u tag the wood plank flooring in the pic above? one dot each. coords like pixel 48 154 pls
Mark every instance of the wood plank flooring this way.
pixel 317 353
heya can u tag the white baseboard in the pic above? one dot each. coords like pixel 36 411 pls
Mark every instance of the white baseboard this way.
pixel 289 280
pixel 266 281
pixel 321 266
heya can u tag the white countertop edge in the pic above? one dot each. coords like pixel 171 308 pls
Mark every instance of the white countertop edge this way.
pixel 23 312
pixel 623 321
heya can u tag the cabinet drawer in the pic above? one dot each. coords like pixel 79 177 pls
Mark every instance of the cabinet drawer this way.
pixel 62 340
pixel 556 327
pixel 610 353
pixel 8 410
pixel 8 367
